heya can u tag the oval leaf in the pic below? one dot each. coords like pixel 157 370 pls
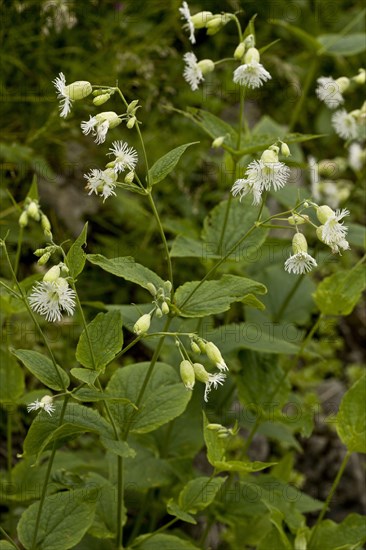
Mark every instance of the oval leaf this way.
pixel 351 418
pixel 167 163
pixel 43 369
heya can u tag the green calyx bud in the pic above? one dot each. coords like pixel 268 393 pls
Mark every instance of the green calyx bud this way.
pixel 217 22
pixel 295 219
pixel 201 19
pixel 187 374
pixel 45 223
pixel 167 288
pixel 33 211
pixel 252 56
pixel 239 51
pixel 343 83
pixel 142 324
pixel 100 99
pixel 44 258
pixel 218 142
pixel 285 150
pixel 78 90
pixel 151 288
pixel 195 347
pixel 130 177
pixel 112 118
pixel 214 355
pixel 201 373
pixel 131 109
pixel 39 252
pixel 319 233
pixel 201 344
pixel 165 308
pixel 206 66
pixel 360 78
pixel 249 41
pixel 214 427
pixel 52 274
pixel 158 313
pixel 131 122
pixel 299 243
pixel 23 219
pixel 269 156
pixel 324 213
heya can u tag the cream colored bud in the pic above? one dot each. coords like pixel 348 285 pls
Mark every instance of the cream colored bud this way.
pixel 142 324
pixel 285 150
pixel 360 78
pixel 214 427
pixel 239 51
pixel 167 288
pixel 129 177
pixel 343 83
pixel 39 252
pixel 218 142
pixel 165 308
pixel 201 344
pixel 269 156
pixel 201 19
pixel 78 90
pixel 295 219
pixel 206 66
pixel 101 99
pixel 252 56
pixel 45 223
pixel 217 22
pixel 112 118
pixel 23 219
pixel 249 41
pixel 33 211
pixel 201 373
pixel 151 288
pixel 44 258
pixel 131 122
pixel 52 274
pixel 319 233
pixel 132 107
pixel 187 374
pixel 46 400
pixel 158 313
pixel 299 243
pixel 214 355
pixel 195 347
pixel 324 213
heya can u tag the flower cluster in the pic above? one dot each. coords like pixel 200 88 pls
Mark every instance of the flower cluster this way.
pixel 251 73
pixel 32 210
pixel 262 175
pixel 53 295
pixel 161 302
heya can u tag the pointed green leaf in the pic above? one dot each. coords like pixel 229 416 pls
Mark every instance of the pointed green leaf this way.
pixel 175 510
pixel 336 44
pixel 351 418
pixel 11 378
pixel 33 190
pixel 199 493
pixel 242 466
pixel 311 43
pixel 215 445
pixel 120 448
pixel 339 293
pixel 348 535
pixel 103 340
pixel 214 296
pixel 167 163
pixel 165 396
pixel 163 542
pixel 213 126
pixel 43 369
pixel 76 256
pixel 87 376
pixel 128 269
pixel 64 520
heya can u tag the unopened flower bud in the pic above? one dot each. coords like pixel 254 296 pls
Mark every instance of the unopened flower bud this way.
pixel 343 83
pixel 223 435
pixel 361 77
pixel 142 324
pixel 131 122
pixel 206 66
pixel 64 269
pixel 101 99
pixel 201 19
pixel 110 116
pixel 187 374
pixel 45 223
pixel 299 243
pixel 249 41
pixel 167 288
pixel 78 90
pixel 324 213
pixel 165 308
pixel 201 373
pixel 129 177
pixel 201 344
pixel 239 51
pixel 39 252
pixel 23 219
pixel 132 107
pixel 252 56
pixel 52 274
pixel 218 142
pixel 158 313
pixel 44 258
pixel 285 150
pixel 195 347
pixel 151 288
pixel 33 211
pixel 216 23
pixel 214 427
pixel 214 355
pixel 297 220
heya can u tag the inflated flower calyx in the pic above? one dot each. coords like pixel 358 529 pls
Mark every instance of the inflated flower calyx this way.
pixel 299 243
pixel 165 308
pixel 131 122
pixel 296 219
pixel 52 274
pixel 201 19
pixel 151 288
pixel 324 213
pixel 206 66
pixel 142 324
pixel 101 99
pixel 214 355
pixel 252 56
pixel 239 51
pixel 132 107
pixel 44 258
pixel 130 177
pixel 158 313
pixel 218 142
pixel 285 150
pixel 78 90
pixel 23 219
pixel 217 23
pixel 269 156
pixel 343 83
pixel 187 374
pixel 360 78
pixel 195 347
pixel 201 373
pixel 167 286
pixel 33 211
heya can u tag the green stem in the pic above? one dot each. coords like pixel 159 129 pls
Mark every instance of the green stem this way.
pixel 47 476
pixel 287 300
pixel 226 219
pixel 8 538
pixel 120 499
pixel 19 249
pixel 304 92
pixel 161 230
pixel 251 435
pixel 330 495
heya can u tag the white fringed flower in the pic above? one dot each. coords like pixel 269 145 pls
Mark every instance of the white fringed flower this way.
pixel 329 91
pixel 332 232
pixel 100 124
pixel 126 157
pixel 210 380
pixel 50 299
pixel 345 124
pixel 186 14
pixel 101 182
pixel 243 187
pixel 73 92
pixel 192 72
pixel 252 75
pixel 214 354
pixel 300 261
pixel 45 403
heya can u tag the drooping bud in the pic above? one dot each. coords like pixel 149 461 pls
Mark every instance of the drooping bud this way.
pixel 249 41
pixel 167 288
pixel 110 116
pixel 201 344
pixel 39 252
pixel 158 313
pixel 201 19
pixel 214 355
pixel 44 258
pixel 343 83
pixel 239 51
pixel 129 177
pixel 201 373
pixel 269 156
pixel 324 213
pixel 206 66
pixel 33 211
pixel 187 374
pixel 151 288
pixel 299 243
pixel 360 78
pixel 131 122
pixel 285 150
pixel 252 56
pixel 165 308
pixel 295 219
pixel 195 347
pixel 23 219
pixel 78 90
pixel 142 324
pixel 101 99
pixel 46 226
pixel 52 274
pixel 217 22
pixel 46 400
pixel 132 107
pixel 218 142
pixel 214 427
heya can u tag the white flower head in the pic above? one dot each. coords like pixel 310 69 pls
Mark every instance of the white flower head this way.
pixel 252 75
pixel 73 92
pixel 101 182
pixel 126 157
pixel 51 298
pixel 100 124
pixel 243 187
pixel 45 403
pixel 192 72
pixel 329 91
pixel 214 381
pixel 300 261
pixel 268 174
pixel 189 25
pixel 332 232
pixel 345 124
